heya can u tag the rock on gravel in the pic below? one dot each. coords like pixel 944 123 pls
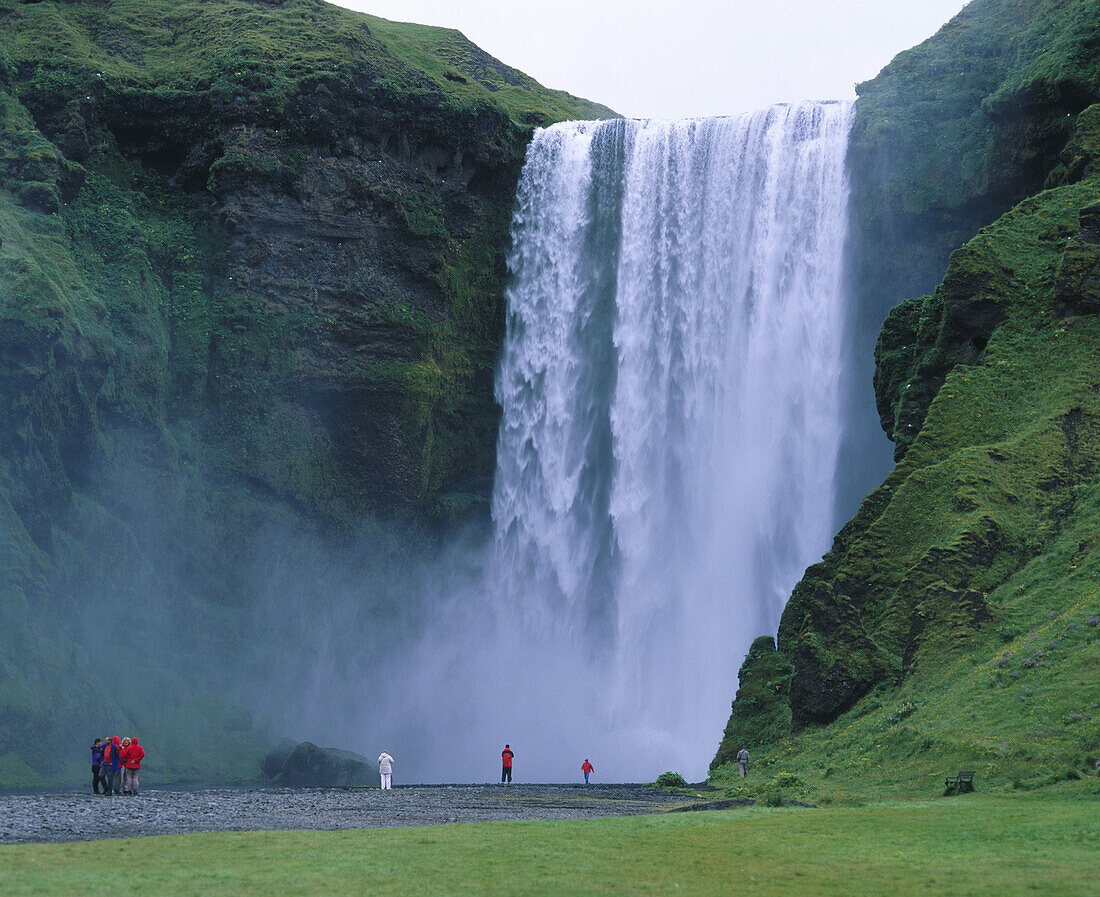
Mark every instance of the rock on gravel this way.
pixel 84 817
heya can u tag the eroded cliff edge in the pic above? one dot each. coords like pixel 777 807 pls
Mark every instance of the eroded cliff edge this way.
pixel 251 279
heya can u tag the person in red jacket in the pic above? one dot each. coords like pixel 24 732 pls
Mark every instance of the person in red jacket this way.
pixel 587 768
pixel 111 763
pixel 132 756
pixel 506 766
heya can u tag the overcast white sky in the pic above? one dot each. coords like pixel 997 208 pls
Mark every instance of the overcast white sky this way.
pixel 684 58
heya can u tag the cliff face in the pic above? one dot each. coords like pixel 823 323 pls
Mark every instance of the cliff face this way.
pixel 973 568
pixel 949 136
pixel 251 280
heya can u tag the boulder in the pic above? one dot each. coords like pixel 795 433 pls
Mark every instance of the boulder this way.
pixel 273 763
pixel 310 766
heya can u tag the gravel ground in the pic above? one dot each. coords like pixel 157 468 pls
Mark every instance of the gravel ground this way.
pixel 86 817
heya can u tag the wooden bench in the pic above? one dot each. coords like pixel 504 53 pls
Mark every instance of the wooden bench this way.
pixel 964 781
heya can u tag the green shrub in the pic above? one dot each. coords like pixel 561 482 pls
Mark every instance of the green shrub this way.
pixel 671 780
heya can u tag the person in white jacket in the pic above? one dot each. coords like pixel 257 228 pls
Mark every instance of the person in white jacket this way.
pixel 385 770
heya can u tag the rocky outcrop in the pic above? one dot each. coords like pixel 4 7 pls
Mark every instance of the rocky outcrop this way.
pixel 310 766
pixel 761 708
pixel 1077 289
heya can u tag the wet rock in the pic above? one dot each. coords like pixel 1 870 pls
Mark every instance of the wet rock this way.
pixel 273 763
pixel 310 766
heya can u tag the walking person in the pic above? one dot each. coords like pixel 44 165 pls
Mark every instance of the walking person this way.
pixel 385 770
pixel 97 763
pixel 132 755
pixel 506 765
pixel 743 763
pixel 587 768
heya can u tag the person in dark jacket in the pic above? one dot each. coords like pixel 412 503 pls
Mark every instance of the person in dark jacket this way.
pixel 97 763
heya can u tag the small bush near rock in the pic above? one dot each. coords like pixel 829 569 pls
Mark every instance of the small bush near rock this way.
pixel 773 798
pixel 671 780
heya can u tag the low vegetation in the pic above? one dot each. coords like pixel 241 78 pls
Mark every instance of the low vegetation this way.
pixel 975 845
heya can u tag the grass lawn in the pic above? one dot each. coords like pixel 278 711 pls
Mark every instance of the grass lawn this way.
pixel 969 845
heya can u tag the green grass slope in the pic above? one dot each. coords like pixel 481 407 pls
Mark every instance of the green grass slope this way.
pixel 266 49
pixel 465 70
pixel 955 623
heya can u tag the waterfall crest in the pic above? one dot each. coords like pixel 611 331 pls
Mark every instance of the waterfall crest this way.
pixel 669 387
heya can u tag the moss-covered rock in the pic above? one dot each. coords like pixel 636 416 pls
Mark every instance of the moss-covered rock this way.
pixel 761 709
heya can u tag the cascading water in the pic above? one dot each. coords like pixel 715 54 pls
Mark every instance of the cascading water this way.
pixel 669 395
pixel 669 387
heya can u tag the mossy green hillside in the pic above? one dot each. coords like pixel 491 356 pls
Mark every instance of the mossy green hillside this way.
pixel 251 277
pixel 961 127
pixel 987 386
pixel 465 70
pixel 949 136
pixel 966 591
pixel 254 57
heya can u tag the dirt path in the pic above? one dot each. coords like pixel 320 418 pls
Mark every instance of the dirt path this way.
pixel 85 817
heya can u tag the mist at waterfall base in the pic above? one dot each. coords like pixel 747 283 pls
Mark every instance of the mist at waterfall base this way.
pixel 666 457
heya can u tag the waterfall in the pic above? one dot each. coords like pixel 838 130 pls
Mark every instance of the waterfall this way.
pixel 669 388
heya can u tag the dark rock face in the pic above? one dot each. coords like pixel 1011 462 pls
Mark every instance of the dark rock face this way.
pixel 835 661
pixel 1077 289
pixel 273 762
pixel 251 297
pixel 309 766
pixel 343 239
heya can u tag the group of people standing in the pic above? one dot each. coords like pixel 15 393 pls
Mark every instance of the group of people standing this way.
pixel 115 764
